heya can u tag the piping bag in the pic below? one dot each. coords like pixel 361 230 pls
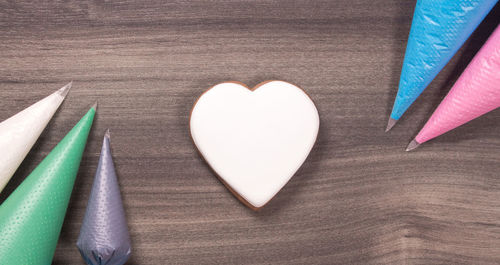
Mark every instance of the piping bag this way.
pixel 104 237
pixel 438 30
pixel 19 133
pixel 476 92
pixel 32 216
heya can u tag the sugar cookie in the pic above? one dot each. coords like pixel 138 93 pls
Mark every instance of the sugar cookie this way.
pixel 254 139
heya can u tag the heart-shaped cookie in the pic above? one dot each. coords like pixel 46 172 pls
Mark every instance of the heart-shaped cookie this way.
pixel 254 139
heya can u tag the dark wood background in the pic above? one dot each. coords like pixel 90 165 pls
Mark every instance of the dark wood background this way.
pixel 358 199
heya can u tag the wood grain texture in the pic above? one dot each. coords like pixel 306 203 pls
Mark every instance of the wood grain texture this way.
pixel 358 199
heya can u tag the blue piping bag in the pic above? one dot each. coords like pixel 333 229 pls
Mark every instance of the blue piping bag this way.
pixel 438 30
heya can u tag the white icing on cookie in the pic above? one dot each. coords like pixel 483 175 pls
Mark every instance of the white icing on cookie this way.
pixel 255 140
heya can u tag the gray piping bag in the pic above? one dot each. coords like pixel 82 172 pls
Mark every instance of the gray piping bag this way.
pixel 104 238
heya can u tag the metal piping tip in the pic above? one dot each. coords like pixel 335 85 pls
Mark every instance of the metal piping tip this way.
pixel 63 91
pixel 390 124
pixel 413 145
pixel 107 134
pixel 94 106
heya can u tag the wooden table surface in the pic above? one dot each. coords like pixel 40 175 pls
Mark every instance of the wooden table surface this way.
pixel 358 199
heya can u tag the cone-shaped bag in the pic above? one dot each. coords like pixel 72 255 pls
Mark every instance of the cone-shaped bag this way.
pixel 438 30
pixel 32 216
pixel 20 132
pixel 475 93
pixel 104 236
